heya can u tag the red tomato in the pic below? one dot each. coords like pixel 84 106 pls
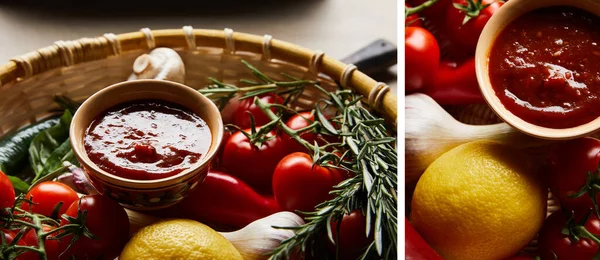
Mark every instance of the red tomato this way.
pixel 241 118
pixel 51 246
pixel 10 236
pixel 434 12
pixel 568 167
pixel 107 220
pixel 297 185
pixel 466 35
pixel 47 195
pixel 7 192
pixel 298 121
pixel 552 242
pixel 422 54
pixel 251 164
pixel 352 234
pixel 412 20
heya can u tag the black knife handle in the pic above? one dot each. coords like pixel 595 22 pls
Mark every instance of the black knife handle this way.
pixel 375 57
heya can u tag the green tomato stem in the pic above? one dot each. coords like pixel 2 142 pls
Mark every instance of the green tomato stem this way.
pixel 413 10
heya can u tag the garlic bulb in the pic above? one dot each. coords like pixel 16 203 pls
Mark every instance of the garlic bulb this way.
pixel 160 63
pixel 259 238
pixel 254 241
pixel 431 131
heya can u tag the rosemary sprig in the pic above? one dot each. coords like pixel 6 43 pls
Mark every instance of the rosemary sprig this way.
pixel 366 150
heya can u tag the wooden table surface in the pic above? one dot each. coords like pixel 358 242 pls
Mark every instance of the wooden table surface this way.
pixel 337 27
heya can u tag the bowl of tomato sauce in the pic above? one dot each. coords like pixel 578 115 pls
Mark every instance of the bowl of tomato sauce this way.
pixel 146 143
pixel 538 66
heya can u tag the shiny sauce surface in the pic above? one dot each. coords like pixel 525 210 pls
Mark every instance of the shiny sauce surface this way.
pixel 545 67
pixel 147 140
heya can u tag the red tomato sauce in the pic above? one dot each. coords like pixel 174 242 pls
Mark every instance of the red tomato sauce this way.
pixel 147 140
pixel 545 67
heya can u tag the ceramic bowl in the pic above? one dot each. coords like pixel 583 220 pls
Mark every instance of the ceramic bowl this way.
pixel 504 16
pixel 146 194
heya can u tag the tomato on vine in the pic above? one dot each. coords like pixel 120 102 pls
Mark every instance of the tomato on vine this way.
pixel 47 195
pixel 241 117
pixel 253 163
pixel 300 185
pixel 465 21
pixel 563 237
pixel 105 219
pixel 351 235
pixel 422 54
pixel 7 192
pixel 573 173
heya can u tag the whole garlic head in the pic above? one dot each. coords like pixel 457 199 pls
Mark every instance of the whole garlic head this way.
pixel 160 63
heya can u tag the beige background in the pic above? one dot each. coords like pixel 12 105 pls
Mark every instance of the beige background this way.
pixel 337 27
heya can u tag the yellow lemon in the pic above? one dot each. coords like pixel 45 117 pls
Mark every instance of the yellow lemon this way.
pixel 179 239
pixel 480 200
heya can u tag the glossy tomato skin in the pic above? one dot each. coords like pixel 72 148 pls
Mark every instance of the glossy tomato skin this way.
pixel 422 54
pixel 7 193
pixel 466 35
pixel 251 164
pixel 567 171
pixel 10 236
pixel 51 246
pixel 107 220
pixel 352 236
pixel 47 195
pixel 241 118
pixel 297 185
pixel 298 121
pixel 553 242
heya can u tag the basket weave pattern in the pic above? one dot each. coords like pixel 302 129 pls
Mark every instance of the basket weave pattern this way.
pixel 79 68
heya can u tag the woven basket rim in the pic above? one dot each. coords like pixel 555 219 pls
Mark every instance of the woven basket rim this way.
pixel 111 45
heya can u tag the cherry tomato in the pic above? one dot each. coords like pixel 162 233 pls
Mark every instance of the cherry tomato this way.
pixel 47 195
pixel 7 193
pixel 436 12
pixel 298 121
pixel 568 167
pixel 351 235
pixel 52 246
pixel 241 118
pixel 10 236
pixel 252 164
pixel 422 54
pixel 412 20
pixel 552 242
pixel 107 220
pixel 298 185
pixel 466 35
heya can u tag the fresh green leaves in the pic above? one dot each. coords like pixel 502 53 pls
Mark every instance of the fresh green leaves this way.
pixel 19 185
pixel 51 147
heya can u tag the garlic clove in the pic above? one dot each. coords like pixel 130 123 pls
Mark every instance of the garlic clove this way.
pixel 160 63
pixel 259 238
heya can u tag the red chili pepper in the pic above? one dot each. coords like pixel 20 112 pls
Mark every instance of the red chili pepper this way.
pixel 224 202
pixel 416 247
pixel 456 84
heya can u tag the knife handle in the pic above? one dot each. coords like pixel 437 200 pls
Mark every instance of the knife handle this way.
pixel 374 58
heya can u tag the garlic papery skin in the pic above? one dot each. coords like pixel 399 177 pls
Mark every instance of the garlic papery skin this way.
pixel 430 131
pixel 259 238
pixel 160 63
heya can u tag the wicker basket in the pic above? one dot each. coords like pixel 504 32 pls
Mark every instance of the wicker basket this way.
pixel 79 68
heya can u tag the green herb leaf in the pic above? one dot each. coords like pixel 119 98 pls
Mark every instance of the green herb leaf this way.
pixel 61 154
pixel 19 185
pixel 45 143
